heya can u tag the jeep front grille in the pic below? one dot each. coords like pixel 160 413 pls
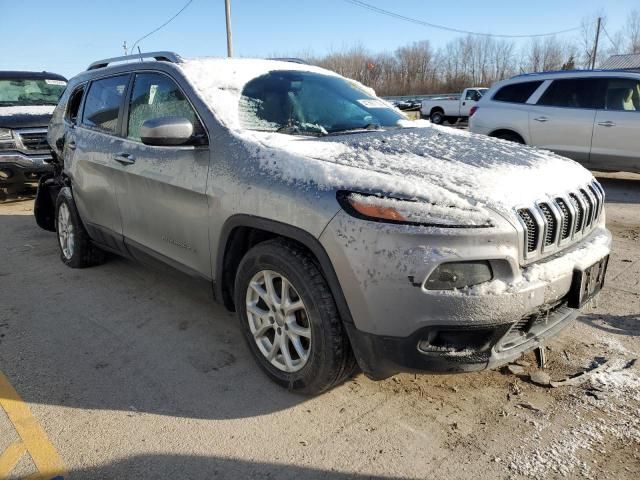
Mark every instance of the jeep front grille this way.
pixel 550 225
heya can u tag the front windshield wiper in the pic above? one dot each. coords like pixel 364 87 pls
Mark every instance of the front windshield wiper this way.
pixel 367 128
pixel 297 130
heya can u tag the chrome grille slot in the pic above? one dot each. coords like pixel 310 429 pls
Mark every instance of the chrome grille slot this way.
pixel 531 229
pixel 579 211
pixel 565 228
pixel 588 214
pixel 552 224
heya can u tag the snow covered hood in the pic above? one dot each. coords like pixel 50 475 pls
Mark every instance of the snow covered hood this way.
pixel 439 165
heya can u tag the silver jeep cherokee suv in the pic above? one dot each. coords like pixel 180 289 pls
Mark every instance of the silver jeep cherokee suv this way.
pixel 339 231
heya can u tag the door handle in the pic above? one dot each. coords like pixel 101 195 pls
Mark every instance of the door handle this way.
pixel 541 119
pixel 124 158
pixel 608 123
pixel 72 144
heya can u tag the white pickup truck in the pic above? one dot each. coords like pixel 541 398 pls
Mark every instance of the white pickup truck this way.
pixel 451 107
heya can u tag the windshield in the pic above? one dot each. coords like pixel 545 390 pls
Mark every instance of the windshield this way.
pixel 20 91
pixel 307 103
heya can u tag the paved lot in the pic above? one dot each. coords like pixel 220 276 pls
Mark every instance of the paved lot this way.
pixel 126 372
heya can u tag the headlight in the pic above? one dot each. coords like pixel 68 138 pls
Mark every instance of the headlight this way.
pixel 409 212
pixel 6 138
pixel 459 275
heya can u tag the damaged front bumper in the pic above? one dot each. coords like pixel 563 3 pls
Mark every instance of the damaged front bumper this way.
pixel 17 167
pixel 400 325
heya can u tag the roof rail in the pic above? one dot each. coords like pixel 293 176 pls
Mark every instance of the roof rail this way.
pixel 290 59
pixel 568 72
pixel 159 56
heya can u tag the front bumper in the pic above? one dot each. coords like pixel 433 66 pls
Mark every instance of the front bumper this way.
pixel 17 166
pixel 383 269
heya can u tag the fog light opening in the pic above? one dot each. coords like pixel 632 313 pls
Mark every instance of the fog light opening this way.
pixel 5 174
pixel 458 275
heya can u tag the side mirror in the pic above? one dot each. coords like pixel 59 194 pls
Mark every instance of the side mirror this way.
pixel 166 131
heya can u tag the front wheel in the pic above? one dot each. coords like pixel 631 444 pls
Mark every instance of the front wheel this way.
pixel 76 249
pixel 289 318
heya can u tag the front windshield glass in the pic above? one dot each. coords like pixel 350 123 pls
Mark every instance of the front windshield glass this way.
pixel 305 103
pixel 27 92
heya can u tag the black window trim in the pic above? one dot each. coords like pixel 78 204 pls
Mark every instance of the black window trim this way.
pixel 120 109
pixel 554 79
pixel 604 107
pixel 78 122
pixel 526 102
pixel 123 130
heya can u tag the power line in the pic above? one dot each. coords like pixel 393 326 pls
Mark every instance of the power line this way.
pixel 450 29
pixel 161 26
pixel 614 44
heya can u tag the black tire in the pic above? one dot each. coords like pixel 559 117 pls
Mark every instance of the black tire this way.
pixel 330 359
pixel 510 137
pixel 437 117
pixel 83 253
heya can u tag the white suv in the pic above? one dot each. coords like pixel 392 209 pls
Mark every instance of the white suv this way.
pixel 592 117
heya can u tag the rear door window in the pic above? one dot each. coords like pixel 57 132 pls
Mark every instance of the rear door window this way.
pixel 104 99
pixel 73 105
pixel 517 92
pixel 574 93
pixel 157 96
pixel 623 94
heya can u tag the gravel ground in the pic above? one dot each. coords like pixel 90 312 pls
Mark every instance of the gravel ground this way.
pixel 136 373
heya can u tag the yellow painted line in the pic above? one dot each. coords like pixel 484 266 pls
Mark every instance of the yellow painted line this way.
pixel 10 458
pixel 44 455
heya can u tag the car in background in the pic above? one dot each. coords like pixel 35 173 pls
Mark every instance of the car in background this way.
pixel 451 108
pixel 27 100
pixel 592 117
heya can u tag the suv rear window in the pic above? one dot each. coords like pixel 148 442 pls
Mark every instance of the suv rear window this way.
pixel 103 102
pixel 517 92
pixel 574 93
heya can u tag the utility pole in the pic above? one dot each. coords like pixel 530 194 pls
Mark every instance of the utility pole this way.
pixel 124 45
pixel 227 7
pixel 595 46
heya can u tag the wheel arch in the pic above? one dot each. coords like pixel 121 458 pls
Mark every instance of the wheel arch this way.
pixel 500 131
pixel 435 110
pixel 241 232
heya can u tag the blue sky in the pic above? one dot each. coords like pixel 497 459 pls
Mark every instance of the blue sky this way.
pixel 64 36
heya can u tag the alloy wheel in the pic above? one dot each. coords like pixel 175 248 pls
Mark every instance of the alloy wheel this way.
pixel 66 233
pixel 278 320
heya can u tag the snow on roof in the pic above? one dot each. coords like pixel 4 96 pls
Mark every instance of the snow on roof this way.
pixel 438 165
pixel 27 110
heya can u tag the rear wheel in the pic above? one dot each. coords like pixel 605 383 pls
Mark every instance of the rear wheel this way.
pixel 510 137
pixel 76 249
pixel 437 117
pixel 289 318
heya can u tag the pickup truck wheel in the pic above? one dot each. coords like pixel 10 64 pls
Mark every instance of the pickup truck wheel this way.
pixel 289 318
pixel 437 117
pixel 76 250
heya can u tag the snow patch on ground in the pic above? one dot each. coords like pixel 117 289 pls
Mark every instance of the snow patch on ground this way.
pixel 617 416
pixel 27 110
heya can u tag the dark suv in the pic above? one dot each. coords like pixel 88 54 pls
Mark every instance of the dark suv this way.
pixel 27 100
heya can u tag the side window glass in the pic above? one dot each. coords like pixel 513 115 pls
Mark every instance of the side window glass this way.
pixel 623 94
pixel 157 96
pixel 574 93
pixel 103 103
pixel 472 95
pixel 517 92
pixel 73 105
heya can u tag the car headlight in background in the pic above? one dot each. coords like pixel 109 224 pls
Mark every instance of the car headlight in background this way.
pixel 6 138
pixel 411 212
pixel 456 275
